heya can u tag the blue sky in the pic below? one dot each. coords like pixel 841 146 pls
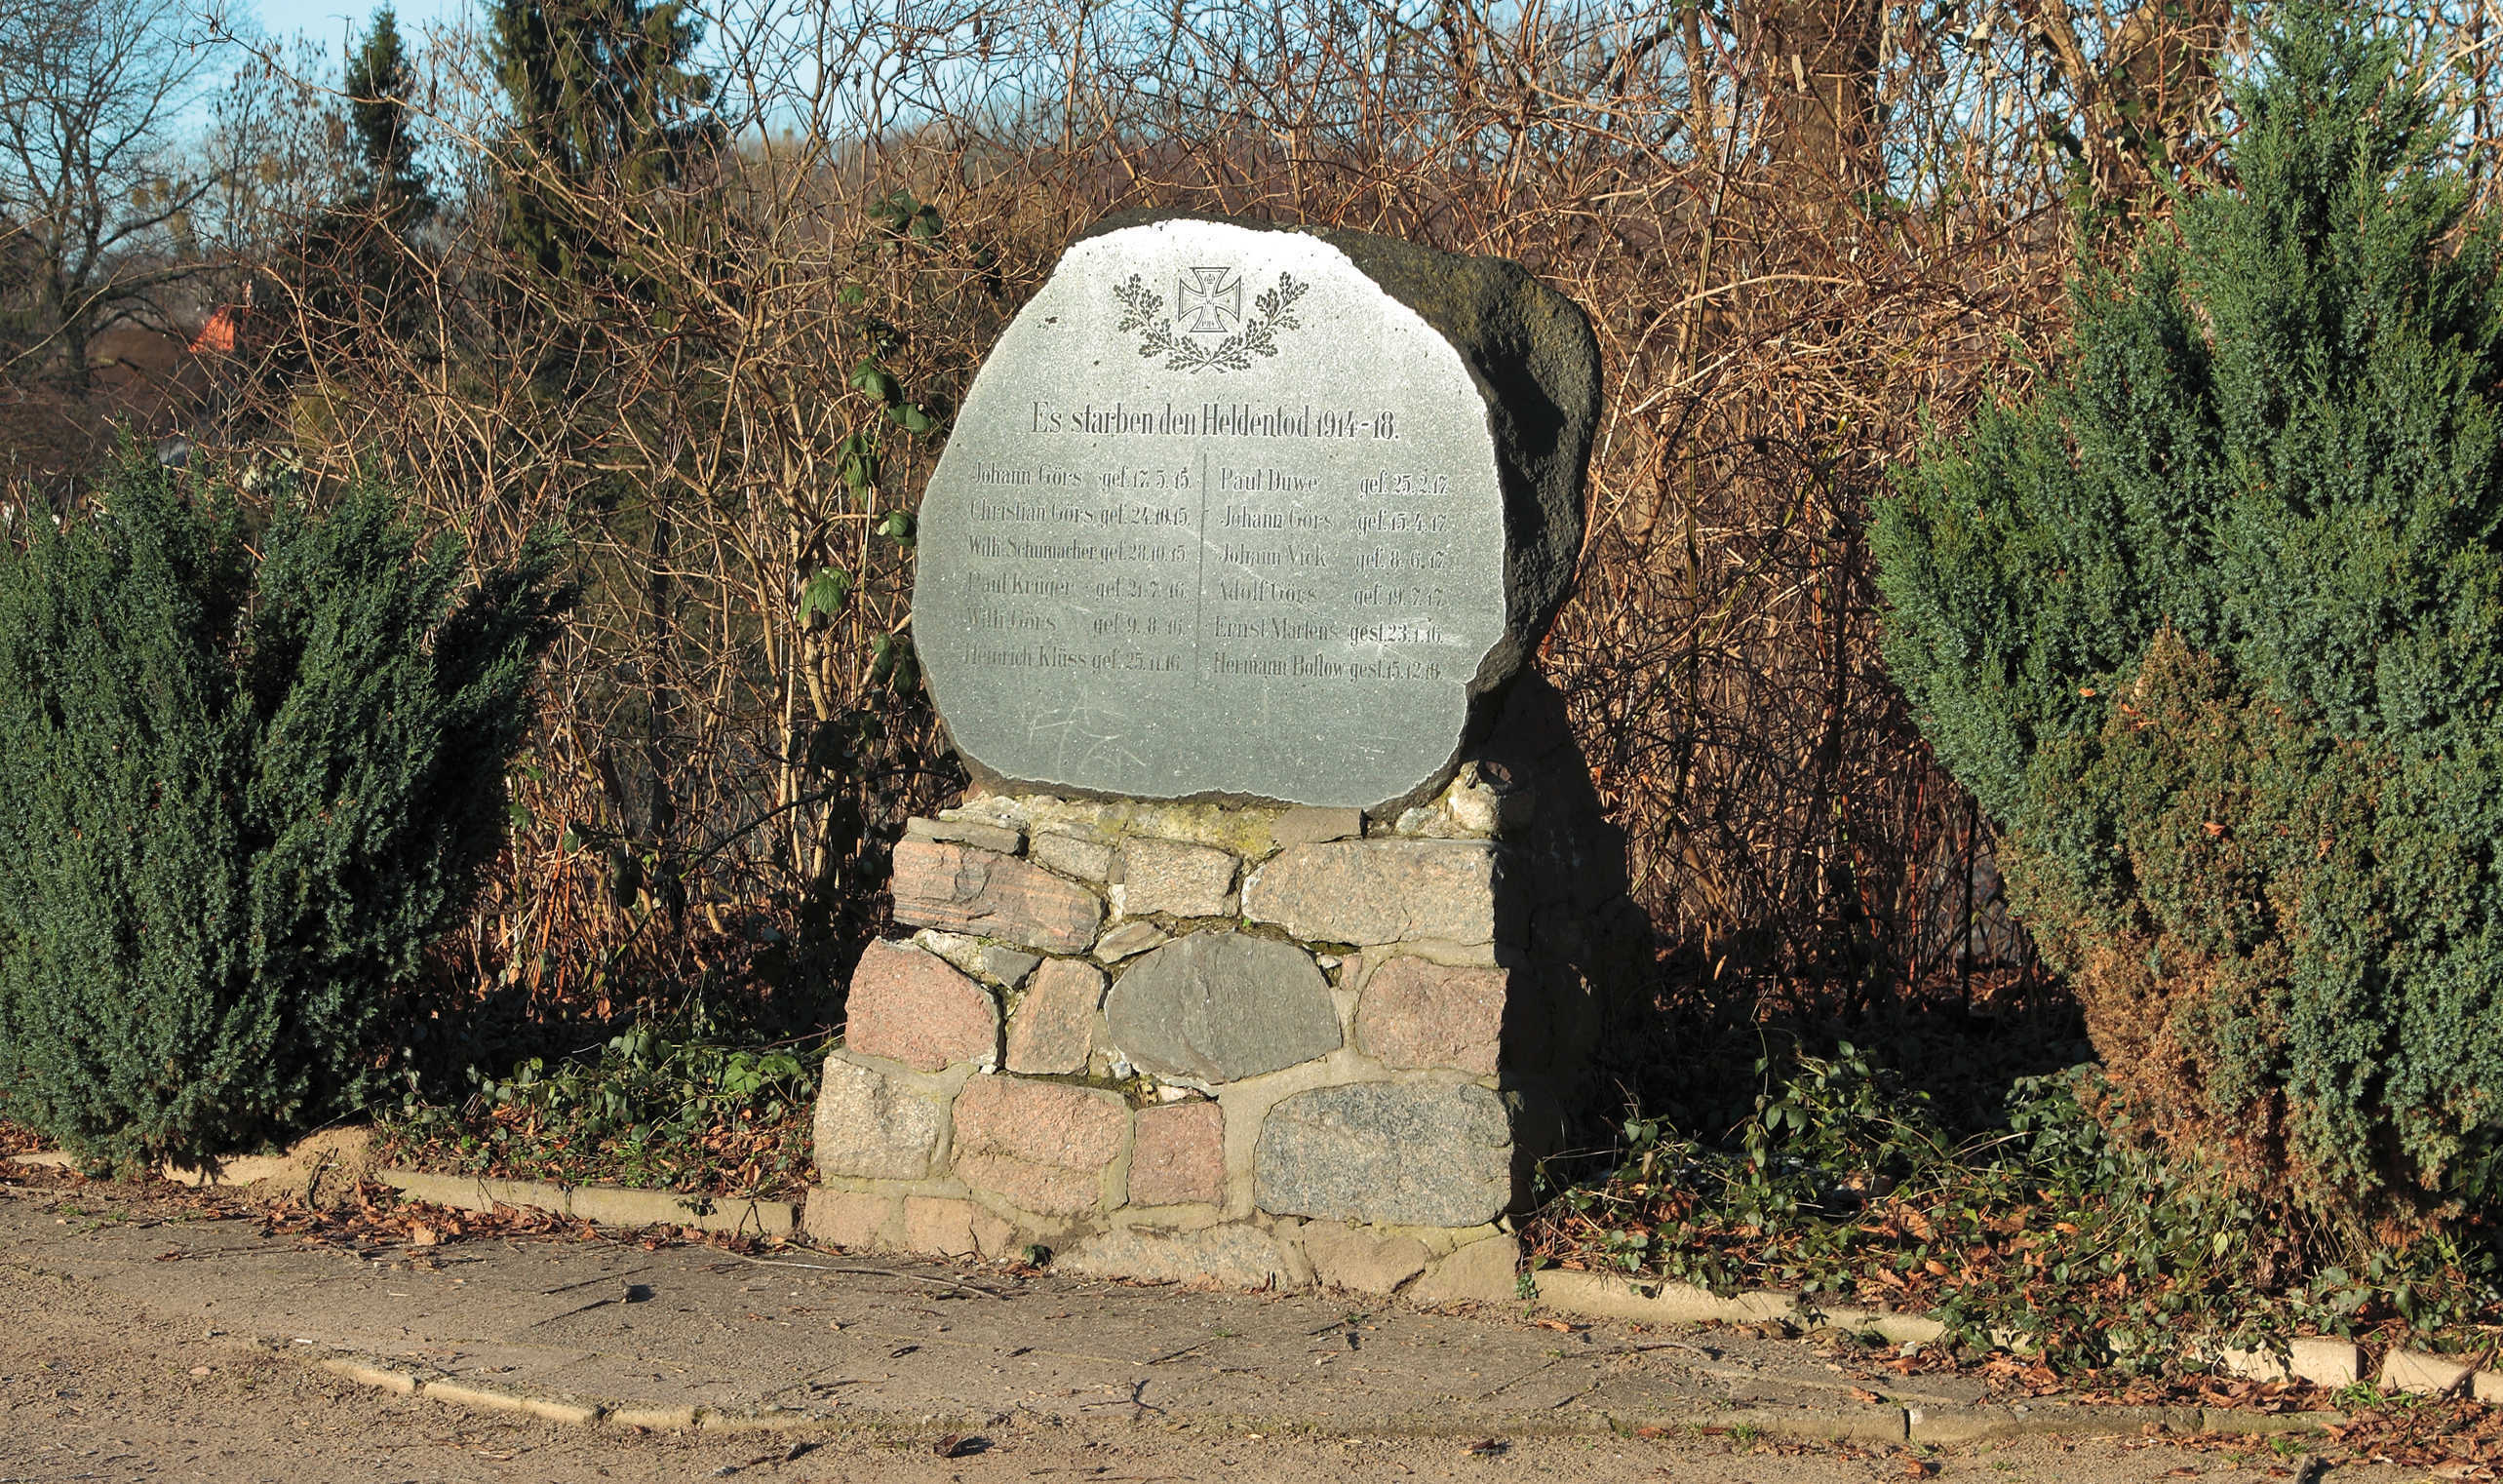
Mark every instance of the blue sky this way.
pixel 328 21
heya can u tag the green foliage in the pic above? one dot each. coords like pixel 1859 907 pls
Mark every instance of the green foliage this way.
pixel 2214 629
pixel 387 178
pixel 2044 1224
pixel 245 793
pixel 606 111
pixel 353 267
pixel 647 1110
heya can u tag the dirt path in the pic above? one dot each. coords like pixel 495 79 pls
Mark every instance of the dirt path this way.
pixel 118 1362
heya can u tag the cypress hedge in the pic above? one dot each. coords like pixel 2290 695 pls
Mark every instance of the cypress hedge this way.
pixel 2213 628
pixel 243 792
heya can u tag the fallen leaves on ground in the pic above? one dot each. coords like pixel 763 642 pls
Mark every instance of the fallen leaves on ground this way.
pixel 741 1158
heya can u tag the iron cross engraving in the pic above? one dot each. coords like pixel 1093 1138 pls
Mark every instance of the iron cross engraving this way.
pixel 1212 299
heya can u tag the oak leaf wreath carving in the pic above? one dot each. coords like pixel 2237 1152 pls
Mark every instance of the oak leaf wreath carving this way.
pixel 1273 310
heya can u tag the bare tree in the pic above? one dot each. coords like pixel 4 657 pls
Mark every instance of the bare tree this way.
pixel 1819 62
pixel 2143 88
pixel 94 96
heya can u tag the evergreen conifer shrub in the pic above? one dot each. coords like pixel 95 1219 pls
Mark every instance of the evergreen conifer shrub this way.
pixel 238 796
pixel 2213 630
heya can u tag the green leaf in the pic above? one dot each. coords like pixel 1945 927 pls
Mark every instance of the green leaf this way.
pixel 913 418
pixel 824 596
pixel 859 463
pixel 871 378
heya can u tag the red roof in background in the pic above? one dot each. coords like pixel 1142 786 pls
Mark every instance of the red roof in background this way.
pixel 224 327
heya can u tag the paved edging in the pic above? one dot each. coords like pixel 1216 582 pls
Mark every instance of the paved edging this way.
pixel 487 1396
pixel 1599 1296
pixel 604 1205
pixel 1946 1426
pixel 601 1204
pixel 2324 1361
pixel 2327 1362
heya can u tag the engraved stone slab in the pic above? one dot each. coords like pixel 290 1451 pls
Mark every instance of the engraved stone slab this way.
pixel 1349 1258
pixel 1238 511
pixel 1234 1256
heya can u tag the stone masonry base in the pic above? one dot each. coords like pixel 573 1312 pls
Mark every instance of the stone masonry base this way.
pixel 1255 1047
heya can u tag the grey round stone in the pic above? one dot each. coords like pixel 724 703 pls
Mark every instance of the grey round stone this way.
pixel 1242 513
pixel 1395 1154
pixel 1219 1007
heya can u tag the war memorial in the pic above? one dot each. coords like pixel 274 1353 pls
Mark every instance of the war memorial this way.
pixel 1268 947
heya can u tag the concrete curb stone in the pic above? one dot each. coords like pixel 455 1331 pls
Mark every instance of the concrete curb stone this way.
pixel 487 1398
pixel 2424 1375
pixel 383 1378
pixel 2322 1360
pixel 1974 1425
pixel 602 1205
pixel 1850 1423
pixel 2327 1362
pixel 655 1418
pixel 1654 1302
